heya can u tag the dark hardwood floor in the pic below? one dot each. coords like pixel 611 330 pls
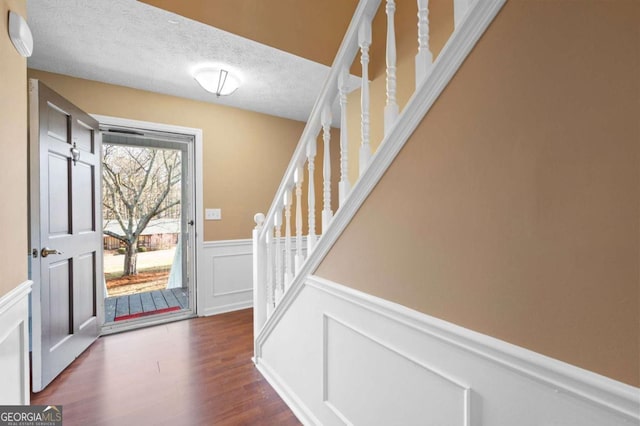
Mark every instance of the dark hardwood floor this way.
pixel 191 372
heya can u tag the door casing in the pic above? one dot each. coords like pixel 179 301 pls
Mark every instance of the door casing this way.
pixel 197 229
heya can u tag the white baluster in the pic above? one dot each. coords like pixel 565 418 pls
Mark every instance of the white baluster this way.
pixel 259 277
pixel 298 178
pixel 424 58
pixel 344 186
pixel 391 109
pixel 288 269
pixel 460 9
pixel 364 40
pixel 327 214
pixel 311 196
pixel 270 271
pixel 278 284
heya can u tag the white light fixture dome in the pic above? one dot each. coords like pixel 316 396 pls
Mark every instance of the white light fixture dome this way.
pixel 217 80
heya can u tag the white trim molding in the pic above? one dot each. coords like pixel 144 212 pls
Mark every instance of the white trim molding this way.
pixel 463 389
pixel 198 210
pixel 14 346
pixel 227 243
pixel 340 356
pixel 226 282
pixel 298 407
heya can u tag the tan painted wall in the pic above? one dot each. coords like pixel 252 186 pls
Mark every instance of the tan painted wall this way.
pixel 13 162
pixel 514 208
pixel 244 153
pixel 440 28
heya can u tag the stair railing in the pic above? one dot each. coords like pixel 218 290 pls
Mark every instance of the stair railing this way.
pixel 275 262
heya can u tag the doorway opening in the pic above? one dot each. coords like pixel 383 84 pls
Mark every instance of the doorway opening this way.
pixel 148 212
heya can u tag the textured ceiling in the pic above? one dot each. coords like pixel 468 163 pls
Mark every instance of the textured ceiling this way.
pixel 312 30
pixel 133 44
pixel 309 29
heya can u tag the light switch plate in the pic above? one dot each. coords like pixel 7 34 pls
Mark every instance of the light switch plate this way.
pixel 212 214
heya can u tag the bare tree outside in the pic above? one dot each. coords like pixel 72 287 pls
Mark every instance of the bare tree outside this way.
pixel 139 184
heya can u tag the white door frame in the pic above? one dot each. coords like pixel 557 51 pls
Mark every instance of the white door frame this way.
pixel 198 203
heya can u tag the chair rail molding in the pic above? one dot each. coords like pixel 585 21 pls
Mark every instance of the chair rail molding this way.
pixel 342 336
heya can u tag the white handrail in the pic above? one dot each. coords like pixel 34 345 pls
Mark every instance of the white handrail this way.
pixel 365 10
pixel 478 17
pixel 274 274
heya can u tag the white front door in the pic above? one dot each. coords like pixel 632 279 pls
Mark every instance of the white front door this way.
pixel 65 231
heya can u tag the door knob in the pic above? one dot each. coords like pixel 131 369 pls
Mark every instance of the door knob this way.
pixel 47 251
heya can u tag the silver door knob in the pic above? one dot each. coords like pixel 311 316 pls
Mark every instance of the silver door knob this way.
pixel 47 251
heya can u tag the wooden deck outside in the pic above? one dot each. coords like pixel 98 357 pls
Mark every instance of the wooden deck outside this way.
pixel 147 301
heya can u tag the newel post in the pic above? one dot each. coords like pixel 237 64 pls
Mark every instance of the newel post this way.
pixel 259 277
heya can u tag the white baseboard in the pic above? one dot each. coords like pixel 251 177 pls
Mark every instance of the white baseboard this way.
pixel 14 346
pixel 226 281
pixel 288 396
pixel 340 356
pixel 221 309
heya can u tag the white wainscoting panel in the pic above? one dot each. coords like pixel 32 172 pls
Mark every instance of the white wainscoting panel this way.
pixel 355 362
pixel 338 356
pixel 226 283
pixel 14 346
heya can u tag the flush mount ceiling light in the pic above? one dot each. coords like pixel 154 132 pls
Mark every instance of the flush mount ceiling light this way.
pixel 20 34
pixel 218 81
